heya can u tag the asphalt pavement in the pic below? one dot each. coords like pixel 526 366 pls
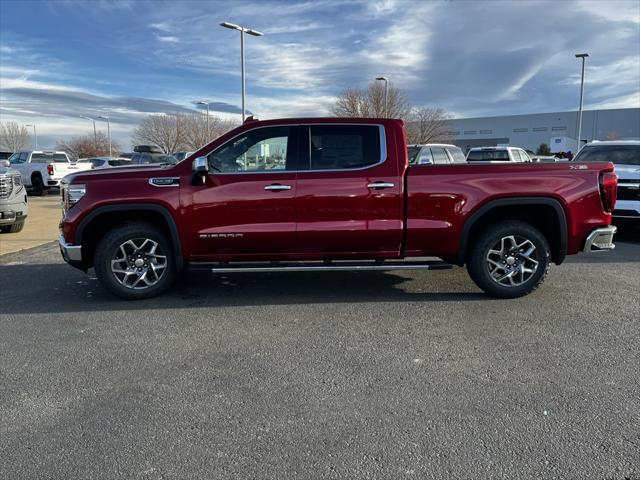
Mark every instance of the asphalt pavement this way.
pixel 321 375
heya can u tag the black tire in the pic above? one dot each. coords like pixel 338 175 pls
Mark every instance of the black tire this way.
pixel 108 249
pixel 37 186
pixel 13 228
pixel 479 257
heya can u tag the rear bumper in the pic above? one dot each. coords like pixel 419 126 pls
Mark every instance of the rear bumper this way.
pixel 72 254
pixel 600 239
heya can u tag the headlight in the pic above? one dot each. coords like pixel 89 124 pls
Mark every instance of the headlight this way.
pixel 17 180
pixel 71 194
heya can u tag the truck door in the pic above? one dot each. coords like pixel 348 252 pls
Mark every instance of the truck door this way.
pixel 349 199
pixel 246 206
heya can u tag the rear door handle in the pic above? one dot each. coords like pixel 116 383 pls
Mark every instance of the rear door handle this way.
pixel 276 187
pixel 380 185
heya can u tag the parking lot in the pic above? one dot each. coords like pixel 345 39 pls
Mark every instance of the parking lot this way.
pixel 325 375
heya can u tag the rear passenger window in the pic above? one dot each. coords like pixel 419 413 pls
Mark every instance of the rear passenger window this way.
pixel 338 147
pixel 440 157
pixel 456 155
pixel 516 155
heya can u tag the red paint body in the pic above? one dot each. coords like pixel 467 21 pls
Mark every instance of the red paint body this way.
pixel 333 214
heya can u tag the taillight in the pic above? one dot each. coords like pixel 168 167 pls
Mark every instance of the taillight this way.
pixel 50 169
pixel 608 190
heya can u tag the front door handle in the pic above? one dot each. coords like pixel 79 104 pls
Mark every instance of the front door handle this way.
pixel 276 187
pixel 380 185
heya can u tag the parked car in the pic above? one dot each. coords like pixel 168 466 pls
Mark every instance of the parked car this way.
pixel 13 199
pixel 625 155
pixel 435 154
pixel 331 194
pixel 105 162
pixel 43 170
pixel 497 155
pixel 148 154
pixel 179 156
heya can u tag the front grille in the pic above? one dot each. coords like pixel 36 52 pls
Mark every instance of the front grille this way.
pixel 628 193
pixel 6 186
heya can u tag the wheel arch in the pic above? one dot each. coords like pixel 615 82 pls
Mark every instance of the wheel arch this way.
pixel 545 213
pixel 104 218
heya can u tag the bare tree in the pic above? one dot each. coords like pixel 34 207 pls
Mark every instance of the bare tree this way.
pixel 88 146
pixel 370 102
pixel 13 136
pixel 428 125
pixel 195 130
pixel 164 131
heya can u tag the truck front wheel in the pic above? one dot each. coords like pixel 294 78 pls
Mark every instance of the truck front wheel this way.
pixel 509 259
pixel 135 261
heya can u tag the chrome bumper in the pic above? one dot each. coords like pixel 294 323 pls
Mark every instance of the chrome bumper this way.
pixel 71 253
pixel 600 239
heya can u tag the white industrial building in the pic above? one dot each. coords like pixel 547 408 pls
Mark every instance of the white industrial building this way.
pixel 529 131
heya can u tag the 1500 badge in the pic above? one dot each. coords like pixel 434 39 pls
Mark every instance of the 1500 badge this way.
pixel 221 235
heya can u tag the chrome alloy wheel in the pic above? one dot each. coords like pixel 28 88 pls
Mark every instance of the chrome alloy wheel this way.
pixel 138 263
pixel 512 261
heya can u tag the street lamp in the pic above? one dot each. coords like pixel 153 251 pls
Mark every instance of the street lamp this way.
pixel 35 135
pixel 108 131
pixel 242 31
pixel 386 87
pixel 583 56
pixel 95 135
pixel 207 104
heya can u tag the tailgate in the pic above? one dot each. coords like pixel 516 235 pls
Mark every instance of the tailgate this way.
pixel 60 169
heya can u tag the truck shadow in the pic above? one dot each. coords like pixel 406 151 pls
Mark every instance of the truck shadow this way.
pixel 49 288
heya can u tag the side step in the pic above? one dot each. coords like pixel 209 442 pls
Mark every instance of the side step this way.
pixel 337 266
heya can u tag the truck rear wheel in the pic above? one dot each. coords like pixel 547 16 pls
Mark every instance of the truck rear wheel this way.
pixel 509 260
pixel 37 185
pixel 135 261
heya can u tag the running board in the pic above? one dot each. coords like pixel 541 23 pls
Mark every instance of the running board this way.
pixel 338 266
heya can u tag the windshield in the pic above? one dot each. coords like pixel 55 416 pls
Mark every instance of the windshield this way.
pixel 413 153
pixel 618 154
pixel 488 155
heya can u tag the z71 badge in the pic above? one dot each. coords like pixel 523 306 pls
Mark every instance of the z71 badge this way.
pixel 221 235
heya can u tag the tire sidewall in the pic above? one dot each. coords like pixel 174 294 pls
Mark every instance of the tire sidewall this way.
pixel 478 266
pixel 107 247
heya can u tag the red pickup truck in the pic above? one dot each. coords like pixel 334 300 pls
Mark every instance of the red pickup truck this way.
pixel 331 194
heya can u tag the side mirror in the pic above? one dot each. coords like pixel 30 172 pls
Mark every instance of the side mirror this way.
pixel 200 167
pixel 200 164
pixel 5 163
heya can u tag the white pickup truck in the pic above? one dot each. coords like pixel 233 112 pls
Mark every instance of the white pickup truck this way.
pixel 42 170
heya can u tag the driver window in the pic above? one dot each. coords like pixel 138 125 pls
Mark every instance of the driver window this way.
pixel 260 150
pixel 16 158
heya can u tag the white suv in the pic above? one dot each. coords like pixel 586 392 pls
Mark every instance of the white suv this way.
pixel 625 155
pixel 497 155
pixel 435 154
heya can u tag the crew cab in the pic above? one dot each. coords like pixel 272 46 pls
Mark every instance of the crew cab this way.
pixel 331 194
pixel 497 155
pixel 435 153
pixel 625 155
pixel 43 170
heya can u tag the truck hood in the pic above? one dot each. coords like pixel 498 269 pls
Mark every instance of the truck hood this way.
pixel 115 173
pixel 627 171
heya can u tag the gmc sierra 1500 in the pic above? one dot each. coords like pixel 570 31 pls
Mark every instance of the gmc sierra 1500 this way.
pixel 331 194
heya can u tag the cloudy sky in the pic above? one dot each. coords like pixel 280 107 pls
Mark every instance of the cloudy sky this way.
pixel 64 59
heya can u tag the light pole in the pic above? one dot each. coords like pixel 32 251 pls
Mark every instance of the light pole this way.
pixel 95 135
pixel 583 56
pixel 207 104
pixel 108 131
pixel 35 135
pixel 242 31
pixel 386 88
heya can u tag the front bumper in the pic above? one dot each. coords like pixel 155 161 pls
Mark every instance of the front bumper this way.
pixel 600 239
pixel 72 254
